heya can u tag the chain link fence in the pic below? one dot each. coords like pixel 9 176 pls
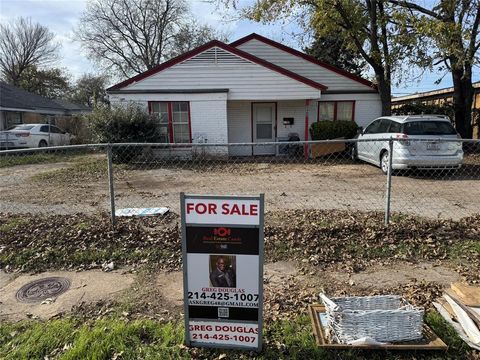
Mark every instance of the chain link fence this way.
pixel 433 178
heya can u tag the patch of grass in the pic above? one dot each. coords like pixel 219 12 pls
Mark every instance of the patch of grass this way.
pixel 111 337
pixel 82 225
pixel 35 340
pixel 82 169
pixel 460 249
pixel 30 159
pixel 12 223
pixel 100 339
pixel 456 347
pixel 17 260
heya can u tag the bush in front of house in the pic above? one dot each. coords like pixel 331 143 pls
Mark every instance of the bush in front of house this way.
pixel 327 130
pixel 122 124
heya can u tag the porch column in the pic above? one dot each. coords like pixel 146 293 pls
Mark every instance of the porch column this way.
pixel 305 147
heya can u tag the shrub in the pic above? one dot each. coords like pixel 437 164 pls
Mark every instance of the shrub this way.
pixel 325 130
pixel 122 124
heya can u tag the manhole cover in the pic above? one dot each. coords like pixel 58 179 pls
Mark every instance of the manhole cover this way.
pixel 42 289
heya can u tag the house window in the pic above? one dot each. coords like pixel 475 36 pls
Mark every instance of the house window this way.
pixel 173 120
pixel 336 110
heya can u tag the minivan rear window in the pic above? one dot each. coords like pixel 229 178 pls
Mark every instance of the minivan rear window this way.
pixel 428 128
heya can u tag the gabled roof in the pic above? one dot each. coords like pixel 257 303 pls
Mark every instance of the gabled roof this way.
pixel 11 97
pixel 221 45
pixel 302 55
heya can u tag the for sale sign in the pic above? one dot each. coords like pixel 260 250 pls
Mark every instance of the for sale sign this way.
pixel 222 238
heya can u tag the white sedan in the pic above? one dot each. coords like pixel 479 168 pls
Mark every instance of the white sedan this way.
pixel 32 136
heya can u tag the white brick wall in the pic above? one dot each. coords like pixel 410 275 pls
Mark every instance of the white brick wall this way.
pixel 208 114
pixel 209 123
pixel 295 110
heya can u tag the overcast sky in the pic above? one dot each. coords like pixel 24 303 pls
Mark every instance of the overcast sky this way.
pixel 61 16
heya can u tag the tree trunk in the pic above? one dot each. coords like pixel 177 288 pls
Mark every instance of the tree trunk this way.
pixel 385 91
pixel 462 102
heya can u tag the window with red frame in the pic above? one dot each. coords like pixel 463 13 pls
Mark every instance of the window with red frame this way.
pixel 173 120
pixel 336 110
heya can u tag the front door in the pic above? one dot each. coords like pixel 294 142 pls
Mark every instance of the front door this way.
pixel 264 128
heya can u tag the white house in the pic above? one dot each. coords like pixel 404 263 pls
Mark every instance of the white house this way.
pixel 252 90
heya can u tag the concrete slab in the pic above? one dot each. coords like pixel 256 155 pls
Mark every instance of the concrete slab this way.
pixel 5 278
pixel 87 286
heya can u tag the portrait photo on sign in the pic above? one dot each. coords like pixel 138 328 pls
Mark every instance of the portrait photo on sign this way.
pixel 223 271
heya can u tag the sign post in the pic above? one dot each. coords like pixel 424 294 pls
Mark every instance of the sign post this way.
pixel 222 246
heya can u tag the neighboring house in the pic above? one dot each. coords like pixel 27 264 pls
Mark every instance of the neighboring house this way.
pixel 252 90
pixel 22 107
pixel 439 97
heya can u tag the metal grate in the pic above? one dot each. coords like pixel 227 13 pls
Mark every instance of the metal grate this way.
pixel 42 289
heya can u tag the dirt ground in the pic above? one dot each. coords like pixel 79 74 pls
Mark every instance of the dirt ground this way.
pixel 342 185
pixel 161 294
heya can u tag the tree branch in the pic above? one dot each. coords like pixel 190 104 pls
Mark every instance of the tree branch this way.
pixel 413 6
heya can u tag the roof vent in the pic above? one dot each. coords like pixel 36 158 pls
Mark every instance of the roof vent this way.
pixel 216 56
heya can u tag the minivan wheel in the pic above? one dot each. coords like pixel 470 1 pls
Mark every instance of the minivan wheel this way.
pixel 353 153
pixel 384 162
pixel 42 143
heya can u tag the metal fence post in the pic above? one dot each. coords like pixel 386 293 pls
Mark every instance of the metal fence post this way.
pixel 389 182
pixel 110 183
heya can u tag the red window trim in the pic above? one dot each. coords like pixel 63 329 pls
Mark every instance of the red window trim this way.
pixel 335 102
pixel 170 118
pixel 170 122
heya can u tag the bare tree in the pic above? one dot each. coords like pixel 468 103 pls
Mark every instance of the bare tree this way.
pixel 24 44
pixel 131 36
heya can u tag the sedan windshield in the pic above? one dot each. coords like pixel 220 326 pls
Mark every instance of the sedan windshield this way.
pixel 428 128
pixel 22 127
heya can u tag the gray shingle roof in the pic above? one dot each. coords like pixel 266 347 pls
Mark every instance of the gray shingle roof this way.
pixel 70 106
pixel 11 97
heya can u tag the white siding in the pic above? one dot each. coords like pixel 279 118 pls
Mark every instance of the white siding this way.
pixel 245 81
pixel 145 97
pixel 329 78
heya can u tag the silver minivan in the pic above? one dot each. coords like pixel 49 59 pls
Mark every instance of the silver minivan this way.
pixel 421 142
